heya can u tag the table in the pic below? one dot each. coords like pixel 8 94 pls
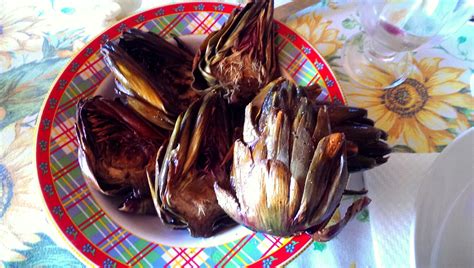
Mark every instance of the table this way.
pixel 36 41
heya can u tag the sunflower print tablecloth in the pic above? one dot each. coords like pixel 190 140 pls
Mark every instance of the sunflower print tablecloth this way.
pixel 37 38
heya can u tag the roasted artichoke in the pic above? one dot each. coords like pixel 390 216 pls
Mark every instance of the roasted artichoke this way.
pixel 290 170
pixel 209 140
pixel 188 166
pixel 154 75
pixel 116 147
pixel 240 56
pixel 365 147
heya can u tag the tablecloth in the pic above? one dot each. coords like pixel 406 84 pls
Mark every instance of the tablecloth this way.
pixel 38 37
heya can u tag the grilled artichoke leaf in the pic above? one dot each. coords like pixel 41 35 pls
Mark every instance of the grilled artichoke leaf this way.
pixel 116 147
pixel 183 190
pixel 241 56
pixel 152 70
pixel 290 168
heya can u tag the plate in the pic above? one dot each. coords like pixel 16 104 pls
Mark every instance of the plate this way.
pixel 444 219
pixel 100 235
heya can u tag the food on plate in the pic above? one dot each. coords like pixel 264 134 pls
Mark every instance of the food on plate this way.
pixel 290 169
pixel 241 56
pixel 116 148
pixel 224 139
pixel 189 164
pixel 366 146
pixel 154 75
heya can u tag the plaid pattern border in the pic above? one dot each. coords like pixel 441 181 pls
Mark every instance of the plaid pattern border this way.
pixel 90 229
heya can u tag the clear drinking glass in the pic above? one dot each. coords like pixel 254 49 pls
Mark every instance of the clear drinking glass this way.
pixel 392 30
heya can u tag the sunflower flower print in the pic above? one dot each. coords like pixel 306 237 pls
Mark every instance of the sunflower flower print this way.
pixel 316 30
pixel 19 28
pixel 20 33
pixel 425 112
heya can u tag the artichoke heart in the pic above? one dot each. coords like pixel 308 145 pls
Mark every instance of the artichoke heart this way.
pixel 188 166
pixel 290 169
pixel 116 147
pixel 152 70
pixel 241 55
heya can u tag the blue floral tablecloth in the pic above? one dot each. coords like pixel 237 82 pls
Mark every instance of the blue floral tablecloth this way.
pixel 38 37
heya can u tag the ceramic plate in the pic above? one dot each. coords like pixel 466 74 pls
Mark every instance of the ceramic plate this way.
pixel 89 221
pixel 444 223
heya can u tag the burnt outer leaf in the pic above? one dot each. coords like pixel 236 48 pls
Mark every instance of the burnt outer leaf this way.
pixel 291 168
pixel 116 146
pixel 363 139
pixel 323 126
pixel 327 176
pixel 374 149
pixel 241 56
pixel 363 191
pixel 359 133
pixel 340 114
pixel 152 70
pixel 184 185
pixel 360 163
pixel 328 233
pixel 365 146
pixel 139 203
pixel 149 113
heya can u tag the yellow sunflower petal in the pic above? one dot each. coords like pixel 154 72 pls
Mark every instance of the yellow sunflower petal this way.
pixel 303 29
pixel 441 137
pixel 428 66
pixel 330 35
pixel 319 31
pixel 324 24
pixel 446 88
pixel 291 24
pixel 315 18
pixel 460 124
pixel 395 132
pixel 414 137
pixel 459 100
pixel 440 108
pixel 376 77
pixel 325 49
pixel 363 101
pixel 417 74
pixel 443 75
pixel 431 120
pixel 463 124
pixel 386 121
pixel 376 112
